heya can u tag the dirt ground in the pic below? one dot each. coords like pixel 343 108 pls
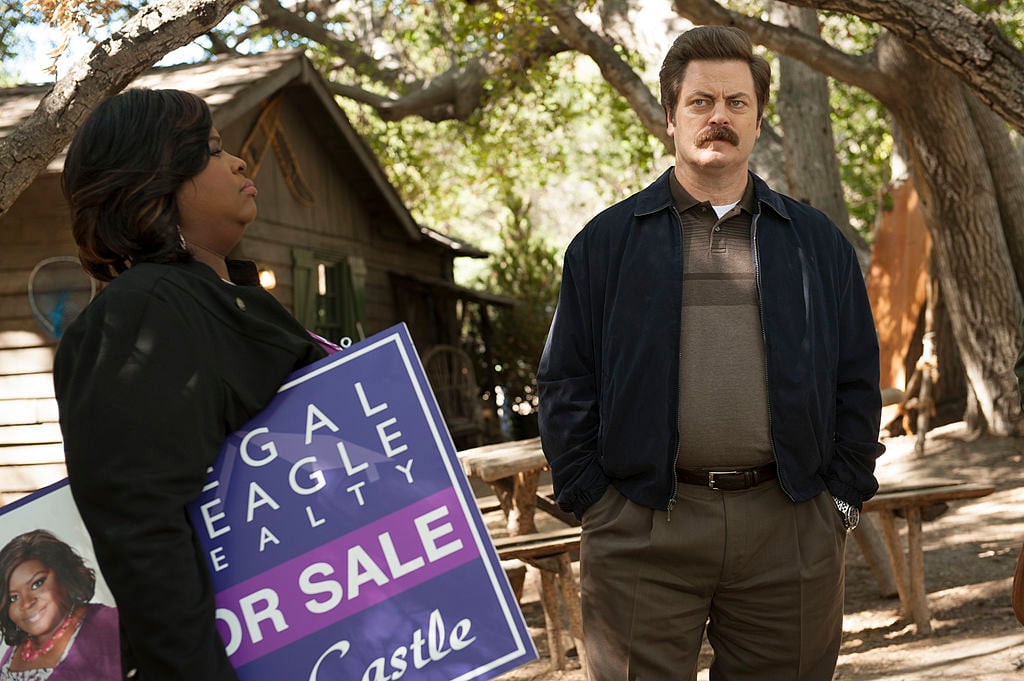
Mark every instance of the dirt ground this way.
pixel 970 554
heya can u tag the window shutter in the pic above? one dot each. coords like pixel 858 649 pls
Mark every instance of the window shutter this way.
pixel 304 292
pixel 353 313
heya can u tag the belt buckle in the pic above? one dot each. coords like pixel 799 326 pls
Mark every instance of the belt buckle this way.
pixel 711 478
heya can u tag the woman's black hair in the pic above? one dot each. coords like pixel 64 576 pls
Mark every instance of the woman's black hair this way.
pixel 122 170
pixel 79 581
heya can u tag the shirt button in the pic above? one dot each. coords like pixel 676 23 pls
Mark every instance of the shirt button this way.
pixel 240 303
pixel 717 228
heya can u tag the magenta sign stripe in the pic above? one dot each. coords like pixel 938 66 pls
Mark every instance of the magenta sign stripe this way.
pixel 321 587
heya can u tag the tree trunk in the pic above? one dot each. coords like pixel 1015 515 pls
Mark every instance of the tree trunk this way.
pixel 768 161
pixel 152 32
pixel 972 264
pixel 948 33
pixel 812 166
pixel 950 390
pixel 1007 168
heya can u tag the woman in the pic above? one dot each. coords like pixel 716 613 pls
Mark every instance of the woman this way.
pixel 180 349
pixel 54 631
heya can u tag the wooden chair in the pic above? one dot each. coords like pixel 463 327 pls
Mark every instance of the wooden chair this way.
pixel 451 376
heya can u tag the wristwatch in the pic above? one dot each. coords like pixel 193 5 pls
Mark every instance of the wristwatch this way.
pixel 850 513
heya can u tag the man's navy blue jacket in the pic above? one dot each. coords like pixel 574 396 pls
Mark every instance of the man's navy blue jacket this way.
pixel 609 374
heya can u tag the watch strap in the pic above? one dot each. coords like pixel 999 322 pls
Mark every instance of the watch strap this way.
pixel 850 513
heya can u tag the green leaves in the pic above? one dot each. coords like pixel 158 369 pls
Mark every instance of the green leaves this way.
pixel 860 124
pixel 526 268
pixel 561 126
pixel 864 143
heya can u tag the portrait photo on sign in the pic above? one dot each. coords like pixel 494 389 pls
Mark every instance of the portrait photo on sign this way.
pixel 58 618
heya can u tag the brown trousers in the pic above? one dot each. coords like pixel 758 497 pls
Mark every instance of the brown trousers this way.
pixel 764 575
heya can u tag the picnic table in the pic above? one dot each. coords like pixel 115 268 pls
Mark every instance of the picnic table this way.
pixel 911 500
pixel 512 470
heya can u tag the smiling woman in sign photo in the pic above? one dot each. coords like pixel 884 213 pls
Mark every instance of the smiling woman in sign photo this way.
pixel 46 617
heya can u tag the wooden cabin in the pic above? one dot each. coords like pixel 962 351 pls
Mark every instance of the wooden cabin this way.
pixel 333 239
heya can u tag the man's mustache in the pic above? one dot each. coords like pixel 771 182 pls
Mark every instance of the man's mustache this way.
pixel 717 132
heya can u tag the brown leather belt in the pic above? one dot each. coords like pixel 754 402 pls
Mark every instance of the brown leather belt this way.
pixel 728 480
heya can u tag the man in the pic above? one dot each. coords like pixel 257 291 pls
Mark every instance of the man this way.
pixel 710 402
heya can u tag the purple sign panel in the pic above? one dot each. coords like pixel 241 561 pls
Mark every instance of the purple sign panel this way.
pixel 343 538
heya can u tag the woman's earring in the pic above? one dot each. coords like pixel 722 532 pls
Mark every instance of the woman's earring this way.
pixel 181 240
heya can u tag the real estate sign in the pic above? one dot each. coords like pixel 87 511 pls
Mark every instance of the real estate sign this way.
pixel 343 538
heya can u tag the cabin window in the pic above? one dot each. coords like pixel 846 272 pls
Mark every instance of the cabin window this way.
pixel 329 294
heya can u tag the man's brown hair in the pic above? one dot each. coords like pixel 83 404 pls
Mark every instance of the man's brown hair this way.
pixel 711 43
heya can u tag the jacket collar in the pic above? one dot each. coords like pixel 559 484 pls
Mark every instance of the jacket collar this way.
pixel 657 196
pixel 763 194
pixel 242 272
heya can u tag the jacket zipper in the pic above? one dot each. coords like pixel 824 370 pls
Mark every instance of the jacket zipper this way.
pixel 764 336
pixel 675 460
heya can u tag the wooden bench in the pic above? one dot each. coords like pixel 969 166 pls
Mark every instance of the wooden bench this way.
pixel 552 554
pixel 488 504
pixel 908 566
pixel 544 501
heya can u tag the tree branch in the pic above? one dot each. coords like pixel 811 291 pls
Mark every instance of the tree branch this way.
pixel 274 16
pixel 951 34
pixel 857 70
pixel 151 33
pixel 615 70
pixel 455 94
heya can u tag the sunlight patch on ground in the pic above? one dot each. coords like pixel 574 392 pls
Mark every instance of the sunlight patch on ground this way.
pixel 864 620
pixel 991 658
pixel 992 590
